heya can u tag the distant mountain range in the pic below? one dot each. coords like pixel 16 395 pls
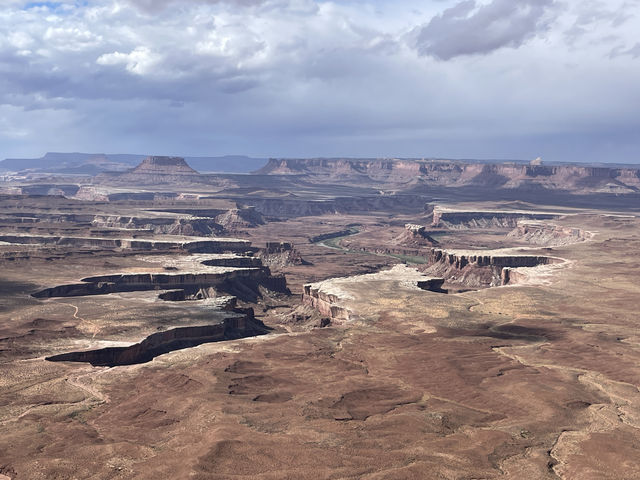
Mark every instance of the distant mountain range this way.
pixel 94 163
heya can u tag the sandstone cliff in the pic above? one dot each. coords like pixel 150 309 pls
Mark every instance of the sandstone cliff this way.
pixel 158 170
pixel 332 297
pixel 548 234
pixel 451 173
pixel 237 326
pixel 477 269
pixel 458 219
pixel 241 282
pixel 415 236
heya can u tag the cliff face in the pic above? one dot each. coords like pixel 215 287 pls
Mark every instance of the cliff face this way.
pixel 236 218
pixel 242 282
pixel 575 178
pixel 415 236
pixel 477 269
pixel 325 303
pixel 548 234
pixel 280 254
pixel 164 166
pixel 238 326
pixel 484 219
pixel 164 225
pixel 158 170
pixel 195 246
pixel 329 167
pixel 333 297
pixel 294 207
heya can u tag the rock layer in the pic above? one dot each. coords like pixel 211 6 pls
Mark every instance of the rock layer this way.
pixel 451 173
pixel 243 282
pixel 548 234
pixel 457 219
pixel 163 342
pixel 331 297
pixel 476 268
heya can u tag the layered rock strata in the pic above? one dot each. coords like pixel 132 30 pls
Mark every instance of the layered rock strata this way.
pixel 280 254
pixel 203 245
pixel 352 230
pixel 452 173
pixel 238 326
pixel 243 282
pixel 548 234
pixel 332 297
pixel 415 236
pixel 477 269
pixel 457 219
pixel 296 207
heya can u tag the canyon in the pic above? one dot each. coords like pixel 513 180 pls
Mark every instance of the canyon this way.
pixel 319 318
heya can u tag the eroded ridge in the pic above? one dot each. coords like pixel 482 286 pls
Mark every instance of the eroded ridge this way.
pixel 242 325
pixel 331 297
pixel 478 269
pixel 456 218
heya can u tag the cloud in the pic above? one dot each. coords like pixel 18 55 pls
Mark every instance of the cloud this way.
pixel 593 16
pixel 151 6
pixel 139 61
pixel 306 77
pixel 471 29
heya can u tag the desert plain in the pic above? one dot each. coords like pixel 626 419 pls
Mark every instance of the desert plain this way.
pixel 322 318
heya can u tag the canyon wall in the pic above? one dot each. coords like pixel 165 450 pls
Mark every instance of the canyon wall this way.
pixel 452 173
pixel 295 207
pixel 241 282
pixel 548 234
pixel 478 269
pixel 195 246
pixel 325 303
pixel 232 327
pixel 334 297
pixel 456 219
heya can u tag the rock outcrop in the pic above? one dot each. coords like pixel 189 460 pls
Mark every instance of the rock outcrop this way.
pixel 157 170
pixel 232 327
pixel 452 173
pixel 241 282
pixel 477 269
pixel 280 254
pixel 458 219
pixel 331 297
pixel 204 245
pixel 548 234
pixel 169 225
pixel 237 218
pixel 158 165
pixel 415 236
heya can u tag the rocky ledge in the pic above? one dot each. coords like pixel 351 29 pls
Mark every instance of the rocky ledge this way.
pixel 548 234
pixel 241 282
pixel 241 325
pixel 332 297
pixel 459 219
pixel 478 268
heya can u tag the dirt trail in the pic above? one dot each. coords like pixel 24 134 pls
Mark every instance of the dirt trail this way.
pixel 93 326
pixel 75 380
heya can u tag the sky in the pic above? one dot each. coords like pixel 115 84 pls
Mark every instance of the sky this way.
pixel 488 79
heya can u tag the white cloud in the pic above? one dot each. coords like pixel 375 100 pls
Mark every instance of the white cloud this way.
pixel 71 38
pixel 139 61
pixel 296 77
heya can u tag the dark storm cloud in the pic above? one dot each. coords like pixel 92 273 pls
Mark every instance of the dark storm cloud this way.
pixel 469 29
